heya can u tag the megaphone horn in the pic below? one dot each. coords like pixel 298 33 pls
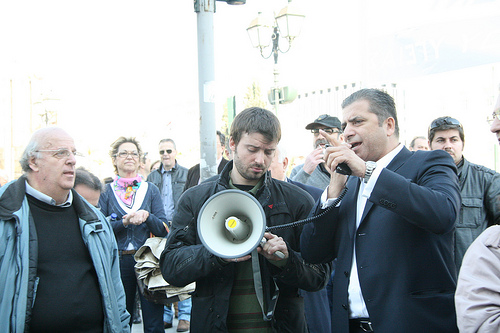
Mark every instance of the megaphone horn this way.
pixel 231 224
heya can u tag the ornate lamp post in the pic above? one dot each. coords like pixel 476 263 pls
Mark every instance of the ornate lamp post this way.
pixel 264 33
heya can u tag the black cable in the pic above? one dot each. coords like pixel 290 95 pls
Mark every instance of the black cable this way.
pixel 311 218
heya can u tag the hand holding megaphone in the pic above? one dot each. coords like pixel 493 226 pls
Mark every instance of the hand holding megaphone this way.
pixel 341 157
pixel 273 247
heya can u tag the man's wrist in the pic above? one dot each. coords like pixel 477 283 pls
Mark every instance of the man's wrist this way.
pixel 369 168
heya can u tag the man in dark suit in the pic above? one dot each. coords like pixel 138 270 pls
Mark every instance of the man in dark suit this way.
pixel 193 176
pixel 392 232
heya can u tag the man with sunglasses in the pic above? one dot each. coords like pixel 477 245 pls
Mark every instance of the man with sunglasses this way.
pixel 479 186
pixel 170 178
pixel 59 263
pixel 313 171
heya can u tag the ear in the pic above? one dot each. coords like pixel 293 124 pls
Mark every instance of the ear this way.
pixel 390 124
pixel 285 163
pixel 232 145
pixel 32 164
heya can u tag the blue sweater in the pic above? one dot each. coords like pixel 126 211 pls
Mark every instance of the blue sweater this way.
pixel 135 234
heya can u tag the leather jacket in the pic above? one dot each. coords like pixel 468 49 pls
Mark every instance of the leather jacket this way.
pixel 480 191
pixel 179 175
pixel 185 259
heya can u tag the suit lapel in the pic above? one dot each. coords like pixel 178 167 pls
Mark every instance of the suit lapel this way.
pixel 368 206
pixel 399 159
pixel 394 165
pixel 352 196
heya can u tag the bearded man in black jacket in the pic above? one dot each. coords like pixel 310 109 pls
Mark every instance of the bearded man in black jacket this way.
pixel 226 298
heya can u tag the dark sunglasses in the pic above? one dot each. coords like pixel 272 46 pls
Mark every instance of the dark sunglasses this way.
pixel 444 121
pixel 169 151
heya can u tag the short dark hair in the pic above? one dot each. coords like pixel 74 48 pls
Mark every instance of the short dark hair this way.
pixel 121 140
pixel 381 103
pixel 412 143
pixel 87 178
pixel 222 138
pixel 168 140
pixel 443 124
pixel 256 120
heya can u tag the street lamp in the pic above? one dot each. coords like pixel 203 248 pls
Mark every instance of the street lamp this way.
pixel 264 33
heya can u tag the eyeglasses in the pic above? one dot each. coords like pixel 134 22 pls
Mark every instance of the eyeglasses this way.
pixel 315 131
pixel 495 114
pixel 125 154
pixel 444 121
pixel 61 153
pixel 168 151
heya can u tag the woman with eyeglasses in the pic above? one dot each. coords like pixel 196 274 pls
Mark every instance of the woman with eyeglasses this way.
pixel 136 211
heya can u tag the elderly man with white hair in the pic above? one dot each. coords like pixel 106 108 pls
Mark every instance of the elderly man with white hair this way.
pixel 59 262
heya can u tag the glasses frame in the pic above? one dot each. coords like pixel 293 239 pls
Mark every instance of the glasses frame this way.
pixel 315 131
pixel 491 118
pixel 57 153
pixel 134 154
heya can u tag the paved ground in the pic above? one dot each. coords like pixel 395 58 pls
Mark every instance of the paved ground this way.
pixel 137 328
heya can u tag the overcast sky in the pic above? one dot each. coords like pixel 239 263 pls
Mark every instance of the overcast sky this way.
pixel 130 68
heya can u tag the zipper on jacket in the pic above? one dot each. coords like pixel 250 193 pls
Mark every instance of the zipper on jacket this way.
pixel 35 288
pixel 19 229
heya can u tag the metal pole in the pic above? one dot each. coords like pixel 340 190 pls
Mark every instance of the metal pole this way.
pixel 276 89
pixel 276 36
pixel 206 87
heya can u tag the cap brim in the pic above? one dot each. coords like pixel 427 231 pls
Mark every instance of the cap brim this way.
pixel 313 125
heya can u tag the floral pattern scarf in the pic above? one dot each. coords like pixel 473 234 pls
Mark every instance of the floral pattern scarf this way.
pixel 125 189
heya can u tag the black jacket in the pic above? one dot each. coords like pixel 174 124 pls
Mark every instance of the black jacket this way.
pixel 179 174
pixel 185 259
pixel 193 175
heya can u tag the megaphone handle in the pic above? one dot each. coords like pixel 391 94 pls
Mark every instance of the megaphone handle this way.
pixel 278 254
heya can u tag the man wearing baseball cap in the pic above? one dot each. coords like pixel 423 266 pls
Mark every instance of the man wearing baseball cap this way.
pixel 313 171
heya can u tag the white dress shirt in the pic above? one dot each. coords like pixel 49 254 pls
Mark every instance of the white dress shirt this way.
pixel 357 306
pixel 45 198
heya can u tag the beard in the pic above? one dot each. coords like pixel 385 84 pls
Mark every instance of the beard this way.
pixel 320 142
pixel 246 170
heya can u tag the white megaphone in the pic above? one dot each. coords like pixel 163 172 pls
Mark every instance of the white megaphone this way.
pixel 231 224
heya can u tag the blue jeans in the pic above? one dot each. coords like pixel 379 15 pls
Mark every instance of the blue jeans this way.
pixel 151 313
pixel 184 311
